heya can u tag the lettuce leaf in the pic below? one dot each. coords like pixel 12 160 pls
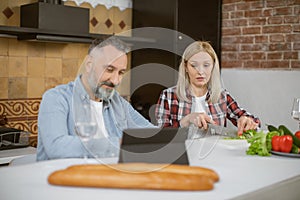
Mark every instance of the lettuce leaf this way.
pixel 260 143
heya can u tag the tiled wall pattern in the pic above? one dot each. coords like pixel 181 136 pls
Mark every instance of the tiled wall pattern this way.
pixel 22 114
pixel 28 69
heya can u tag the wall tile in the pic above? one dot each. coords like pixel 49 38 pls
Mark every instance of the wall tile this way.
pixel 36 49
pixel 83 51
pixel 101 13
pixel 70 51
pixel 54 50
pixel 14 20
pixel 3 47
pixel 51 82
pixel 3 5
pixel 17 88
pixel 103 29
pixel 17 48
pixel 70 3
pixel 19 2
pixel 36 67
pixel 17 66
pixel 3 88
pixel 69 68
pixel 122 16
pixel 3 19
pixel 35 87
pixel 24 63
pixel 3 66
pixel 53 67
pixel 67 80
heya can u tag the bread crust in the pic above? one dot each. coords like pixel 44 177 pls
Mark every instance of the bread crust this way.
pixel 136 176
pixel 152 167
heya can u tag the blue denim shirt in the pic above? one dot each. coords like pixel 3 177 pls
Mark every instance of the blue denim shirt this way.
pixel 56 128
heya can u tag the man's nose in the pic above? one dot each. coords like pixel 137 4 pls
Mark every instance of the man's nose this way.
pixel 115 78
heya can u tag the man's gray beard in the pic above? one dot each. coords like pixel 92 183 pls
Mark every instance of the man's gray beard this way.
pixel 104 93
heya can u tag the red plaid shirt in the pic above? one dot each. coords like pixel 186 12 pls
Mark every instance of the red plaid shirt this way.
pixel 170 110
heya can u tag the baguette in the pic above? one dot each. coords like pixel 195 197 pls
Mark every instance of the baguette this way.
pixel 151 167
pixel 134 177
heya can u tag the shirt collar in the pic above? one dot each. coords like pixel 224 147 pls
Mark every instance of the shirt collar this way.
pixel 189 94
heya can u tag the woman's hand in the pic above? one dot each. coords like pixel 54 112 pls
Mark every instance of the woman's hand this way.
pixel 198 119
pixel 245 123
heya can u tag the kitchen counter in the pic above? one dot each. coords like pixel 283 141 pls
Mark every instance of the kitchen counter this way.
pixel 6 156
pixel 241 176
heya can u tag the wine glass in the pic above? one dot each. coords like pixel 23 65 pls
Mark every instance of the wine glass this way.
pixel 85 124
pixel 296 110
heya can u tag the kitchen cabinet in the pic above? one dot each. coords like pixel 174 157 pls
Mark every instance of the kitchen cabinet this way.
pixel 191 20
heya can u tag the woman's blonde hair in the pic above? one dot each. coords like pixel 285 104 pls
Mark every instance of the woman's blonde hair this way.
pixel 214 84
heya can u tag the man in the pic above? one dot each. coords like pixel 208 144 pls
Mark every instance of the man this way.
pixel 64 106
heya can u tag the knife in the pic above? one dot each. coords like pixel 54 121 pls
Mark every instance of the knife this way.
pixel 213 129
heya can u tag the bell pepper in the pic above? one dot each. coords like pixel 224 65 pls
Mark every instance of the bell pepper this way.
pixel 275 143
pixel 286 143
pixel 282 143
pixel 297 134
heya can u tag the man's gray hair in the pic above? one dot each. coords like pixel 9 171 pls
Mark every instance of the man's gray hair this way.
pixel 113 41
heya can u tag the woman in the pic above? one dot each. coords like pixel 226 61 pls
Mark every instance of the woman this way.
pixel 198 97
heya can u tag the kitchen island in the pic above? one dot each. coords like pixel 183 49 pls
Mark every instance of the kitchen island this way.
pixel 241 176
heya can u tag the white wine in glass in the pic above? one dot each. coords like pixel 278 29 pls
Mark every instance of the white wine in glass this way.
pixel 296 110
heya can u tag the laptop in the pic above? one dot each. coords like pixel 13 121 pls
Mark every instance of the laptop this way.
pixel 154 145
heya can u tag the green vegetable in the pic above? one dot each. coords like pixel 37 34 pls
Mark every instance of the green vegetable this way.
pixel 245 135
pixel 248 134
pixel 261 143
pixel 295 149
pixel 286 131
pixel 272 128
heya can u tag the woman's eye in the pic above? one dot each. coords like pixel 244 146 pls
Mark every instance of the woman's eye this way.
pixel 193 65
pixel 207 65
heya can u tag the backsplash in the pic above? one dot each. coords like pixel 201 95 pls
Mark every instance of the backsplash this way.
pixel 22 114
pixel 28 69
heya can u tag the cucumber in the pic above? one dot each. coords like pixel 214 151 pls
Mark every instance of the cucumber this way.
pixel 286 131
pixel 272 128
pixel 295 149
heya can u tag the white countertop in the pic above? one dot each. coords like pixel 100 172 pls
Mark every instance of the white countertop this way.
pixel 6 156
pixel 241 177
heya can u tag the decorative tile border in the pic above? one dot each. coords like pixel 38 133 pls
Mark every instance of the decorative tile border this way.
pixel 22 114
pixel 121 4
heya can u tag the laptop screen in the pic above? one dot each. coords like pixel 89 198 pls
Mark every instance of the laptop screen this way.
pixel 154 145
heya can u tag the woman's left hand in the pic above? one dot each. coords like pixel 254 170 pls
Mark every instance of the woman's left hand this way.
pixel 245 123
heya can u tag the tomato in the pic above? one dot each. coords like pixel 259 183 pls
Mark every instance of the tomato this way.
pixel 297 134
pixel 286 143
pixel 275 143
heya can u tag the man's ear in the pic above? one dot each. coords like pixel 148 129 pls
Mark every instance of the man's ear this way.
pixel 89 64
